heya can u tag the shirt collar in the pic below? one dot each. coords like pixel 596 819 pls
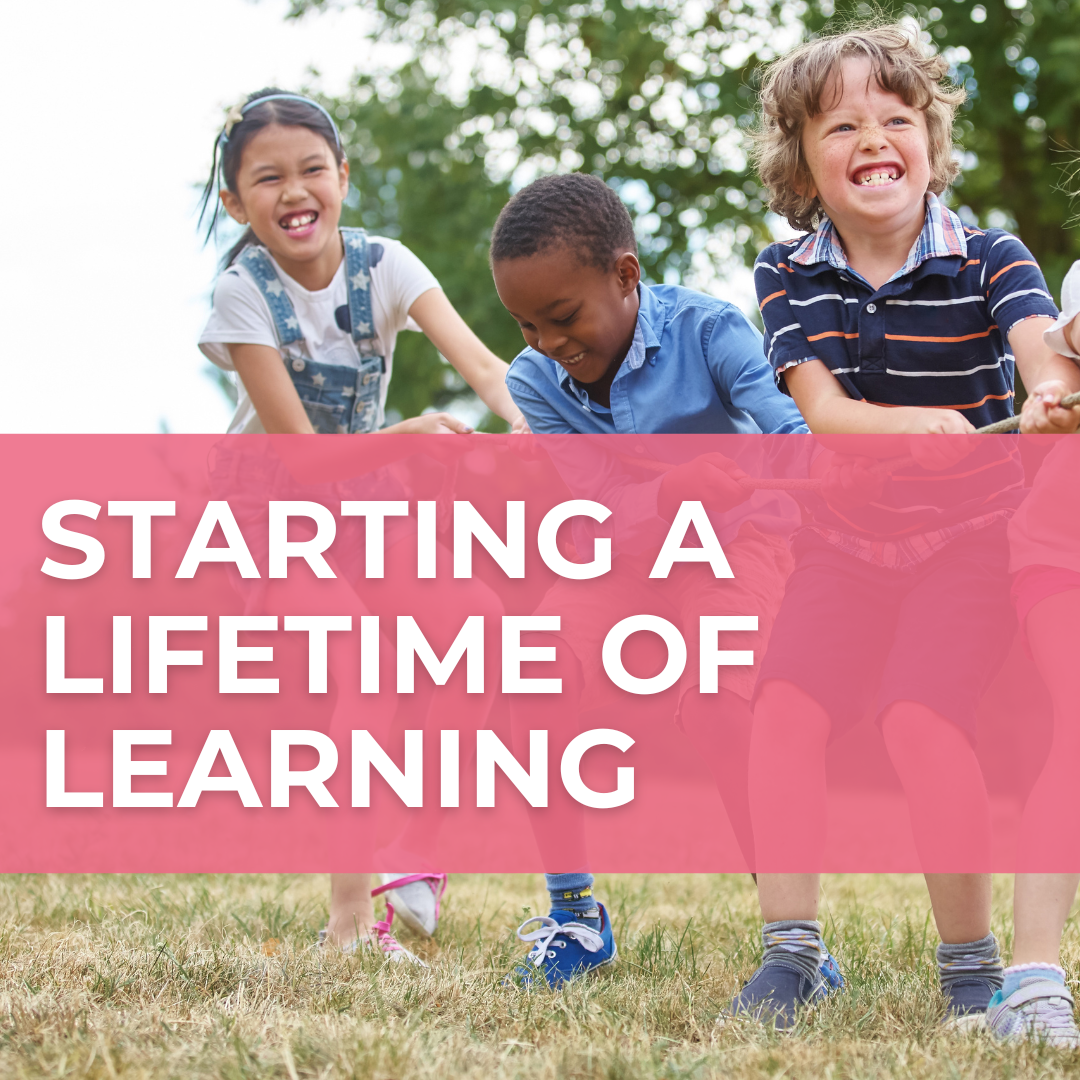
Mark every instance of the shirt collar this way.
pixel 645 346
pixel 942 235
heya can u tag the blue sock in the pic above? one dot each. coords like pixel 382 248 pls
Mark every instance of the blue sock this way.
pixel 574 892
pixel 1014 976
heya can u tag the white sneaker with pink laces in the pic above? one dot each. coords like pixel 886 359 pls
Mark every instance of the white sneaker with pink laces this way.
pixel 414 898
pixel 380 938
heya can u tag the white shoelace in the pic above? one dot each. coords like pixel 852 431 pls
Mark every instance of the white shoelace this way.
pixel 588 938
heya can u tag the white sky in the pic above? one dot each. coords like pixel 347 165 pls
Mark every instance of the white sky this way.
pixel 111 109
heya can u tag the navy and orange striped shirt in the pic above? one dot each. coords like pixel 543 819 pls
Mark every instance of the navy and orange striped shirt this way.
pixel 935 335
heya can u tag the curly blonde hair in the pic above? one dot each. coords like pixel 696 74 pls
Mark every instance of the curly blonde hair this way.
pixel 792 93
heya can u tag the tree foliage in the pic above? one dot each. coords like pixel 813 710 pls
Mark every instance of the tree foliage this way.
pixel 657 96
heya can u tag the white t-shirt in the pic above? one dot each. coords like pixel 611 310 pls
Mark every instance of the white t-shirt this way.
pixel 241 317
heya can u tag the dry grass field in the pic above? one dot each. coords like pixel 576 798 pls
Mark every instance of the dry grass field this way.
pixel 194 977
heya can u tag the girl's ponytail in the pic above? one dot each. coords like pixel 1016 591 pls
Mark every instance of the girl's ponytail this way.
pixel 261 109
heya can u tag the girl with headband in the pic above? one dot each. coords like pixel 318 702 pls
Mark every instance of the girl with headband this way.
pixel 306 313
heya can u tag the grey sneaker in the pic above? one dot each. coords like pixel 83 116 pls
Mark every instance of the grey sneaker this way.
pixel 1040 1010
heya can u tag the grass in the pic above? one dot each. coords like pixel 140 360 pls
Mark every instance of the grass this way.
pixel 193 977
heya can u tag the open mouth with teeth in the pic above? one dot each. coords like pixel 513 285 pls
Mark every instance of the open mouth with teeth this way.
pixel 877 175
pixel 569 361
pixel 301 223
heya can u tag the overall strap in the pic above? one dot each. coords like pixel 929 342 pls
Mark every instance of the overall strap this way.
pixel 358 275
pixel 257 263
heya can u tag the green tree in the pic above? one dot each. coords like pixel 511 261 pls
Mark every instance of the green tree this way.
pixel 656 96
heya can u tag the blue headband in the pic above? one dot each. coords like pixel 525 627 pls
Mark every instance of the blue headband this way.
pixel 236 114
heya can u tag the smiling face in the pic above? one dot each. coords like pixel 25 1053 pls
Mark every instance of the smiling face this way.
pixel 868 154
pixel 289 189
pixel 581 316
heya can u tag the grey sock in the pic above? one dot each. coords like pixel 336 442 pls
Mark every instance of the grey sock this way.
pixel 796 942
pixel 980 958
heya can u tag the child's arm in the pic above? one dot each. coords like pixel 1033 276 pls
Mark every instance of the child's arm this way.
pixel 282 413
pixel 271 390
pixel 472 359
pixel 828 409
pixel 539 417
pixel 824 403
pixel 1050 376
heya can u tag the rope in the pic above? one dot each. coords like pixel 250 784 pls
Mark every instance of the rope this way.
pixel 761 483
pixel 1011 423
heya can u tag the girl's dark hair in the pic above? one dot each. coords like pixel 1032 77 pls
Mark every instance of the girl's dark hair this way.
pixel 229 150
pixel 572 209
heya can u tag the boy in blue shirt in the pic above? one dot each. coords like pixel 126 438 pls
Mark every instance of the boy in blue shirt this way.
pixel 890 317
pixel 609 355
pixel 606 353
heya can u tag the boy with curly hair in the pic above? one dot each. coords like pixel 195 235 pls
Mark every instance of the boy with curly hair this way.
pixel 890 317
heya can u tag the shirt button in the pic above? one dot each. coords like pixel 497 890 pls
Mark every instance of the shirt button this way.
pixel 871 308
pixel 298 364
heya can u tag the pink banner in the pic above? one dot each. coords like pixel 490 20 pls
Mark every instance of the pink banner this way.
pixel 633 653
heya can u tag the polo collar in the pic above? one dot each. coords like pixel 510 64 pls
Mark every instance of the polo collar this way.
pixel 942 236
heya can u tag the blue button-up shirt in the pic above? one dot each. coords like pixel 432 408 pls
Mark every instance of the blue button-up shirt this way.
pixel 696 366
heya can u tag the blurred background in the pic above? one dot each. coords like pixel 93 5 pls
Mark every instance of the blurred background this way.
pixel 446 108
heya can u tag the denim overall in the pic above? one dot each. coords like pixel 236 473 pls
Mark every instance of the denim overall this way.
pixel 338 400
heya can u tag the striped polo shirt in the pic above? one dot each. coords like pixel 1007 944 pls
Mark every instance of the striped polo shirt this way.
pixel 934 335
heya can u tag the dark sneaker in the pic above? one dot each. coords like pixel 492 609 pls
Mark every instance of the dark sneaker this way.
pixel 775 994
pixel 563 949
pixel 966 1002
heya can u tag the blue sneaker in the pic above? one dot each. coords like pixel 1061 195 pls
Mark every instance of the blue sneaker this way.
pixel 777 990
pixel 831 973
pixel 564 948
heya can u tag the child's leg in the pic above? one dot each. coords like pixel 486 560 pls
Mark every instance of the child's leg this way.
pixel 787 772
pixel 559 830
pixel 1041 905
pixel 719 726
pixel 950 817
pixel 788 896
pixel 961 905
pixel 954 629
pixel 947 800
pixel 351 916
pixel 352 909
pixel 825 647
pixel 440 607
pixel 1042 901
pixel 559 955
pixel 786 776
